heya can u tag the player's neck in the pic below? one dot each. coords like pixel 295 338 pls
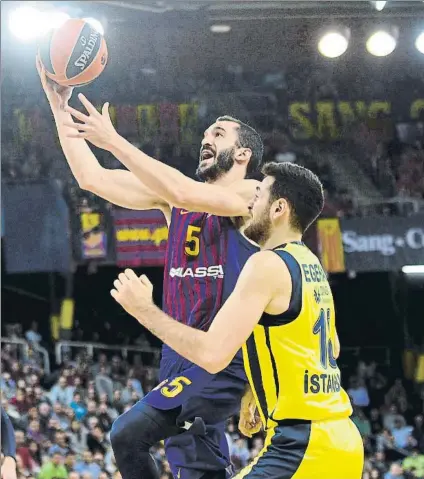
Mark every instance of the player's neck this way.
pixel 281 236
pixel 228 178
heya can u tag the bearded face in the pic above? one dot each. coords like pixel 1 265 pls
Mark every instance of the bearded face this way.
pixel 213 165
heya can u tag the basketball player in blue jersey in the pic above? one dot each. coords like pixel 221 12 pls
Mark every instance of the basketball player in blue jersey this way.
pixel 205 254
pixel 282 313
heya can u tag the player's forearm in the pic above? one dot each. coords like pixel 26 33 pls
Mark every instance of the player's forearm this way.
pixel 165 181
pixel 174 187
pixel 84 165
pixel 197 346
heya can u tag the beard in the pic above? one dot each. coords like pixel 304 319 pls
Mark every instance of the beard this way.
pixel 222 164
pixel 259 230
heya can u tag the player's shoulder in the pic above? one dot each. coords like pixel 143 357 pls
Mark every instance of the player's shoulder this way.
pixel 267 265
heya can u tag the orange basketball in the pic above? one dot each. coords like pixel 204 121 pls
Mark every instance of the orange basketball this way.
pixel 74 54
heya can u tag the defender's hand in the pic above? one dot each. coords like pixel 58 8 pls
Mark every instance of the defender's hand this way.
pixel 8 469
pixel 95 127
pixel 57 95
pixel 133 293
pixel 250 422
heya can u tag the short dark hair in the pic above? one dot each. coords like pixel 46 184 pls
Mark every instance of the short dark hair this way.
pixel 301 188
pixel 248 138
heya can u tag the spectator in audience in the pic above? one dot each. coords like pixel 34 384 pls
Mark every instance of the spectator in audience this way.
pixel 358 392
pixel 60 445
pixel 87 465
pixel 396 472
pixel 78 406
pixel 240 453
pixel 414 464
pixel 61 392
pixel 32 335
pixel 97 441
pixel 401 434
pixel 391 417
pixel 362 422
pixel 78 437
pixel 54 468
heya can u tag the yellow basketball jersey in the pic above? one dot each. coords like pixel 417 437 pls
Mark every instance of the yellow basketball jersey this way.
pixel 289 358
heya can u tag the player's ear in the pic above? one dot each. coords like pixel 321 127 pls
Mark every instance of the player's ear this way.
pixel 243 155
pixel 279 208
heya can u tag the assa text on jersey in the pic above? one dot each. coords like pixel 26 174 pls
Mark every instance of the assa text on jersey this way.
pixel 216 271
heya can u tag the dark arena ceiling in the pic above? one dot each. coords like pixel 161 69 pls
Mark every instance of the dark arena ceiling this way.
pixel 273 9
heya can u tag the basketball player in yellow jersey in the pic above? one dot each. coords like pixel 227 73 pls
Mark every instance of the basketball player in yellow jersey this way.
pixel 282 313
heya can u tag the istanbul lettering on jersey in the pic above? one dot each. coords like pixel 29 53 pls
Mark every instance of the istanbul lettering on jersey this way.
pixel 204 257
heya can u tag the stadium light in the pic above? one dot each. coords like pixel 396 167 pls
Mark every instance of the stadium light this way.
pixel 27 23
pixel 381 43
pixel 419 43
pixel 413 269
pixel 95 24
pixel 379 5
pixel 220 28
pixel 334 43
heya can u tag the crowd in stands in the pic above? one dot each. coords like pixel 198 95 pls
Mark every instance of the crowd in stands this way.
pixel 62 420
pixel 393 161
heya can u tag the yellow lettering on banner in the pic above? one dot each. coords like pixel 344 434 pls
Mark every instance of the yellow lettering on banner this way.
pixel 156 235
pixel 25 129
pixel 326 122
pixel 188 115
pixel 89 221
pixel 147 121
pixel 417 108
pixel 297 114
pixel 346 112
pixel 377 107
pixel 361 109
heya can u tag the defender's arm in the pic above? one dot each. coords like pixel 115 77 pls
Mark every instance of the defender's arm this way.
pixel 212 350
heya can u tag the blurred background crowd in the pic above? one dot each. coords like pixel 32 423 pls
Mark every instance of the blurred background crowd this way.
pixel 63 418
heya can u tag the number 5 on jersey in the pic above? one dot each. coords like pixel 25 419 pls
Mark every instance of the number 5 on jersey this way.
pixel 192 242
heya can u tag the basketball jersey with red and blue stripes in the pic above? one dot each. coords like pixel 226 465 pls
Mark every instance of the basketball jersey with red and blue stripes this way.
pixel 204 257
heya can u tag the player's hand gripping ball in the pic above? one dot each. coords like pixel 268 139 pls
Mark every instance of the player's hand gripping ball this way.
pixel 133 293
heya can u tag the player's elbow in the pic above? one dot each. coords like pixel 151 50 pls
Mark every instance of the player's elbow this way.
pixel 185 198
pixel 214 362
pixel 87 184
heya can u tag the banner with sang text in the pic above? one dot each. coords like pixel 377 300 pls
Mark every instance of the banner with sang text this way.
pixel 373 244
pixel 141 237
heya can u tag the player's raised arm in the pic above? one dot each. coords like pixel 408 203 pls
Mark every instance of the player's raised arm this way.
pixel 167 182
pixel 117 186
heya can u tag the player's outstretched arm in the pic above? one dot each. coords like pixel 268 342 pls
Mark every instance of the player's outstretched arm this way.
pixel 117 186
pixel 167 182
pixel 212 350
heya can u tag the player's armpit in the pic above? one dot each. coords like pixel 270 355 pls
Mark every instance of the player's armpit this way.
pixel 256 288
